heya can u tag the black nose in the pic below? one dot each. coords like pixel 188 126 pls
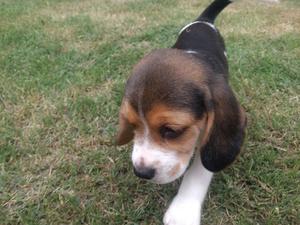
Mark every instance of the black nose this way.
pixel 144 172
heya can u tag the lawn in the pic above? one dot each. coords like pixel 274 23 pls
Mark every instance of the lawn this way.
pixel 63 67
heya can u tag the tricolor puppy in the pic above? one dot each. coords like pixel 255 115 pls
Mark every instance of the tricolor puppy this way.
pixel 178 104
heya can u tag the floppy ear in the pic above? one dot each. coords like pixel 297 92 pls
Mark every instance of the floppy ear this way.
pixel 125 130
pixel 226 124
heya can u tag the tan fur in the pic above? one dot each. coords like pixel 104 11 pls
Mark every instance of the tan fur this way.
pixel 174 170
pixel 128 120
pixel 207 128
pixel 163 115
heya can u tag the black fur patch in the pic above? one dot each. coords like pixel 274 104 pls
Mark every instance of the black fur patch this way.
pixel 207 42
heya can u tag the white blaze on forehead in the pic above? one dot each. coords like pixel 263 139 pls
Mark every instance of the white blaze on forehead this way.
pixel 147 153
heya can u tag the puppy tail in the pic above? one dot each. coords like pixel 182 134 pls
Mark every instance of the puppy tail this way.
pixel 212 11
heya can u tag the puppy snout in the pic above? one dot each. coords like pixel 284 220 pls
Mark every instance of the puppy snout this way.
pixel 144 172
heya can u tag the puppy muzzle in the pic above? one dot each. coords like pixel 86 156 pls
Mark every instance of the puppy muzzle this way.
pixel 144 172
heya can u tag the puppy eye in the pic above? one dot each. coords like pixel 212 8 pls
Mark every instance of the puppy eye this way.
pixel 169 133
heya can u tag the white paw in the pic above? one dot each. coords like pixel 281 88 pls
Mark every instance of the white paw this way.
pixel 183 212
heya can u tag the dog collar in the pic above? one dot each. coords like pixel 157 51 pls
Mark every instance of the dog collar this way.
pixel 196 22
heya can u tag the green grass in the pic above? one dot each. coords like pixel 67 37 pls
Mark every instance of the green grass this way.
pixel 63 66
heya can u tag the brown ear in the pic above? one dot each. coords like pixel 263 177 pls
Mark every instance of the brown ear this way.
pixel 126 129
pixel 226 124
pixel 208 128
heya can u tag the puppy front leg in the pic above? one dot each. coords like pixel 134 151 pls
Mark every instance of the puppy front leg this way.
pixel 185 208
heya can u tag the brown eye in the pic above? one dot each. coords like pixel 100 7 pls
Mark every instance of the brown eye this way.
pixel 169 133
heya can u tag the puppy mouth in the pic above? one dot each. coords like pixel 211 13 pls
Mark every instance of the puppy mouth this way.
pixel 159 177
pixel 175 173
pixel 165 180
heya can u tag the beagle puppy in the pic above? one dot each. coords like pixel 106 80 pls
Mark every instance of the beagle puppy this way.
pixel 178 105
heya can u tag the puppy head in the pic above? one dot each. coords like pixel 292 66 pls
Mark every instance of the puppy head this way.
pixel 169 108
pixel 164 139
